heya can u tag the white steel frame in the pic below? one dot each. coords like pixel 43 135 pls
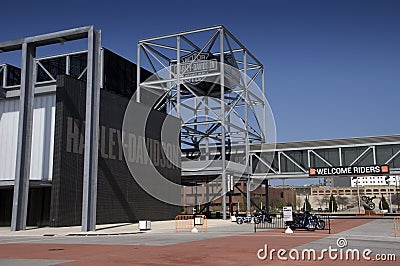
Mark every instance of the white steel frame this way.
pixel 369 148
pixel 38 65
pixel 163 51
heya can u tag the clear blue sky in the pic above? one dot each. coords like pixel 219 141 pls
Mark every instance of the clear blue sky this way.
pixel 332 67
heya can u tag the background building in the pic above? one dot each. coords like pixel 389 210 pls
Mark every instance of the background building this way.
pixel 237 198
pixel 392 180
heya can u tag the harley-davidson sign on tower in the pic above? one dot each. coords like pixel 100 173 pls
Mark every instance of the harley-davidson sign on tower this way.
pixel 197 65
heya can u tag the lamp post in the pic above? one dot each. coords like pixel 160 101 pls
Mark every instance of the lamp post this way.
pixel 358 196
pixel 266 196
pixel 397 193
pixel 389 194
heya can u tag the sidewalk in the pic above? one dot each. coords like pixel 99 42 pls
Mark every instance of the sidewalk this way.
pixel 105 229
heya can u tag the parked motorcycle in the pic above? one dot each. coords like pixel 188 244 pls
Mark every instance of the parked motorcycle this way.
pixel 263 218
pixel 367 202
pixel 305 221
pixel 244 219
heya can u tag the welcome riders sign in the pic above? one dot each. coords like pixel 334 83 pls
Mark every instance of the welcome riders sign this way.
pixel 349 170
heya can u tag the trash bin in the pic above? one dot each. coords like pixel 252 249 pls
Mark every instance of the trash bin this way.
pixel 144 225
pixel 198 220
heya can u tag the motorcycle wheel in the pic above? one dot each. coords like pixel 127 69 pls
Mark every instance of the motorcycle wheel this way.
pixel 371 206
pixel 239 220
pixel 320 225
pixel 310 228
pixel 256 220
pixel 364 198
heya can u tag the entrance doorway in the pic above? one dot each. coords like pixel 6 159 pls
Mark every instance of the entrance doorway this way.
pixel 38 206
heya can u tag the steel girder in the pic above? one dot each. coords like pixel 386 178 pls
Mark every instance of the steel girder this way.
pixel 292 160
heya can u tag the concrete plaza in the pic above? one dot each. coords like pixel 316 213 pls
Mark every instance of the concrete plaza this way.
pixel 225 243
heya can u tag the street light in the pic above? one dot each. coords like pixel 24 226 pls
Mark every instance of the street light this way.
pixel 358 195
pixel 387 179
pixel 397 193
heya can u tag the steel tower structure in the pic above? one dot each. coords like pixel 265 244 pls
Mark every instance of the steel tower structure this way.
pixel 207 78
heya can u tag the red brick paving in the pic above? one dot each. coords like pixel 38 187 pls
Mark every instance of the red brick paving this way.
pixel 232 250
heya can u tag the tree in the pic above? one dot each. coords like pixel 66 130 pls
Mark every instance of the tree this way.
pixel 281 203
pixel 354 200
pixel 325 200
pixel 307 205
pixel 383 205
pixel 342 201
pixel 332 204
pixel 298 203
pixel 320 202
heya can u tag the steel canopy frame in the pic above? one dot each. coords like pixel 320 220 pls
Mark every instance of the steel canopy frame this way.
pixel 27 90
pixel 214 119
pixel 9 89
pixel 372 148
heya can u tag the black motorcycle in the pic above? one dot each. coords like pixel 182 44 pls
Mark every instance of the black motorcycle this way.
pixel 244 219
pixel 263 217
pixel 368 203
pixel 304 221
